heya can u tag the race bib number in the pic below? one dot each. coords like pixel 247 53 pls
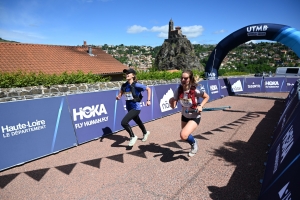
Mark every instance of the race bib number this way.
pixel 186 103
pixel 128 96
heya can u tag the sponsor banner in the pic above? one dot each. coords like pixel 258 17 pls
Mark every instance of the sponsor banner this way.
pixel 274 84
pixel 224 87
pixel 294 89
pixel 154 111
pixel 283 151
pixel 119 112
pixel 286 185
pixel 163 93
pixel 34 128
pixel 237 85
pixel 203 85
pixel 286 115
pixel 92 114
pixel 253 85
pixel 291 83
pixel 147 113
pixel 213 90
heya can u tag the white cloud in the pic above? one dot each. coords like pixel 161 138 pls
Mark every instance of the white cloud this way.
pixel 162 35
pixel 192 31
pixel 220 31
pixel 164 29
pixel 189 31
pixel 136 29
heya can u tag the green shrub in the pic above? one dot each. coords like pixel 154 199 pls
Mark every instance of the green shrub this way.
pixel 24 79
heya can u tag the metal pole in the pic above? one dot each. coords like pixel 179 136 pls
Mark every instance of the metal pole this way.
pixel 208 109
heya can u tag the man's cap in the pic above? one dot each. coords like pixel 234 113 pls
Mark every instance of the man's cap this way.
pixel 128 71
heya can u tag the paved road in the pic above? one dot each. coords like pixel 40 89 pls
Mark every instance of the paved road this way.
pixel 229 164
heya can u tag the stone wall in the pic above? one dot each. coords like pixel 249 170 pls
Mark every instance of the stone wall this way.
pixel 34 92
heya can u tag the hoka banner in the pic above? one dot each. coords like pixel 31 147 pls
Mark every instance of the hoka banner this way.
pixel 214 91
pixel 274 84
pixel 92 114
pixel 34 128
pixel 253 85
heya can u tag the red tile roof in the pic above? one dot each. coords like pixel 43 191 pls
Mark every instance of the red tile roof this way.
pixel 51 59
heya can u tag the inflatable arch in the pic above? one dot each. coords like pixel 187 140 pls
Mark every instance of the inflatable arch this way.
pixel 281 33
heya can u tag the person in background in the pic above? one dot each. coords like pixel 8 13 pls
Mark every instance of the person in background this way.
pixel 132 92
pixel 189 98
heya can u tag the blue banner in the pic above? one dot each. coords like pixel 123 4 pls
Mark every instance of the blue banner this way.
pixel 286 185
pixel 92 114
pixel 253 85
pixel 283 151
pixel 237 85
pixel 224 87
pixel 285 117
pixel 294 90
pixel 214 91
pixel 291 82
pixel 203 85
pixel 275 84
pixel 147 113
pixel 34 128
pixel 163 94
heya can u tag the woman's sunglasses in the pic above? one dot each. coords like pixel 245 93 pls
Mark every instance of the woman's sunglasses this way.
pixel 185 78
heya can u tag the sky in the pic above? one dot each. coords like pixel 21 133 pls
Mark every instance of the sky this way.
pixel 136 22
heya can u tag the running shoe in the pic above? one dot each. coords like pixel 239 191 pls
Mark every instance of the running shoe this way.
pixel 146 136
pixel 132 141
pixel 194 149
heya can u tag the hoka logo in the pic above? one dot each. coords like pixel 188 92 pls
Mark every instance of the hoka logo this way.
pixel 272 83
pixel 88 112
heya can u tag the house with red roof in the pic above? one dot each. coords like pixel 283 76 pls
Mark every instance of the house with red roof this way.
pixel 56 59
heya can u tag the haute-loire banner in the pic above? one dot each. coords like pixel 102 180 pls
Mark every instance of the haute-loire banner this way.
pixel 34 128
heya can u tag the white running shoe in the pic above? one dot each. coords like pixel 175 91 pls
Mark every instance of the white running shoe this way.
pixel 132 141
pixel 194 149
pixel 146 136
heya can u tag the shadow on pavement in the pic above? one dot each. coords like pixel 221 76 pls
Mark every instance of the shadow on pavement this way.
pixel 167 155
pixel 249 158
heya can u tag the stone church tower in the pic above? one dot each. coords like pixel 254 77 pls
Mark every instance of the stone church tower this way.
pixel 177 52
pixel 171 27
